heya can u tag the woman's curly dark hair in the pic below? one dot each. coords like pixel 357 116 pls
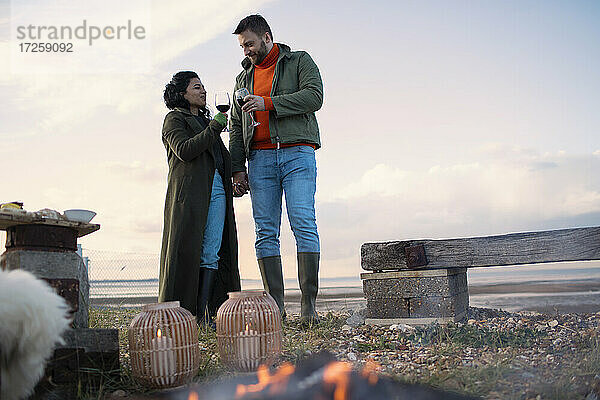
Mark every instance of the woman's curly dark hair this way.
pixel 174 90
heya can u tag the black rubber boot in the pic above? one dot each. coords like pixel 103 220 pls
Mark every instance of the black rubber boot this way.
pixel 272 277
pixel 308 277
pixel 207 278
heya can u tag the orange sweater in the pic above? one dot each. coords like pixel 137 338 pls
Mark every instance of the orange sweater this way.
pixel 263 83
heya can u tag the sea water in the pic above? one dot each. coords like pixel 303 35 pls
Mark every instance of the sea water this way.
pixel 349 288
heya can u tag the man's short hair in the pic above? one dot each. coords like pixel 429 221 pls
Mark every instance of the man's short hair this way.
pixel 254 23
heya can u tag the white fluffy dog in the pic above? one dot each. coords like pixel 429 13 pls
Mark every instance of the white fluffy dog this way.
pixel 33 319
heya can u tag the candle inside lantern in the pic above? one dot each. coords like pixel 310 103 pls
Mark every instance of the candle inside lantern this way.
pixel 249 347
pixel 162 362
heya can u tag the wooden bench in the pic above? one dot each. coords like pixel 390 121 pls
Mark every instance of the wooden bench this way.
pixel 424 281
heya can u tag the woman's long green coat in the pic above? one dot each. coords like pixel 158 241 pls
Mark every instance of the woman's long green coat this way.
pixel 189 147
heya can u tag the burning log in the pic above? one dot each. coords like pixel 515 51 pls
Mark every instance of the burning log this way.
pixel 321 377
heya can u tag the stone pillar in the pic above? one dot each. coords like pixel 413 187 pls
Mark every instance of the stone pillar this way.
pixel 416 297
pixel 49 252
pixel 48 249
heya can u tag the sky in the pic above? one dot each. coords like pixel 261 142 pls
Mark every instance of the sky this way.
pixel 440 119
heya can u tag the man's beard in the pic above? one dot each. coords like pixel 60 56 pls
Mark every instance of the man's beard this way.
pixel 261 53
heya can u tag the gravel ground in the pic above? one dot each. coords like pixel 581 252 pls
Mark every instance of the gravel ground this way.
pixel 495 354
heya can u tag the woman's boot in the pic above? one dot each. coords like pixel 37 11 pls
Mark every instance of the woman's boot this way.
pixel 207 278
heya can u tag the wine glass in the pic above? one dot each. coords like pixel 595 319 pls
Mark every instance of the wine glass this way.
pixel 222 102
pixel 240 94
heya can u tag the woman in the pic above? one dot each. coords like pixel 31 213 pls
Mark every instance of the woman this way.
pixel 198 262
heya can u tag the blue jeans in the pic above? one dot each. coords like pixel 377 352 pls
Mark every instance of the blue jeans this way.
pixel 293 171
pixel 213 232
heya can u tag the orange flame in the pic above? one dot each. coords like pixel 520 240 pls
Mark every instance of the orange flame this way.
pixel 193 396
pixel 338 373
pixel 158 333
pixel 277 381
pixel 369 371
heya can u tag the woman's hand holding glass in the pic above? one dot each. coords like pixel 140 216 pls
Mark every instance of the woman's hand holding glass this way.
pixel 223 103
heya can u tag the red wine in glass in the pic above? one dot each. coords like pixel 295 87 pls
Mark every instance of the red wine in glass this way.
pixel 222 102
pixel 223 108
pixel 239 95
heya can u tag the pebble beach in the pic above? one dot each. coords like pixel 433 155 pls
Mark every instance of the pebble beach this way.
pixel 493 354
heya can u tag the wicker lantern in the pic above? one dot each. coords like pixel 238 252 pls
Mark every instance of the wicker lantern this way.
pixel 248 330
pixel 163 345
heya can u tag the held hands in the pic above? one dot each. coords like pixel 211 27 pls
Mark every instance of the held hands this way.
pixel 253 103
pixel 240 184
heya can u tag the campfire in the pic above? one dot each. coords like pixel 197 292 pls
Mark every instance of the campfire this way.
pixel 320 377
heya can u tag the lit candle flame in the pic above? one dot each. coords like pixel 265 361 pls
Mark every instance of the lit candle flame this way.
pixel 158 333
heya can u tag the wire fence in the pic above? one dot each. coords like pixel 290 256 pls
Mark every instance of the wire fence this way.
pixel 117 277
pixel 129 277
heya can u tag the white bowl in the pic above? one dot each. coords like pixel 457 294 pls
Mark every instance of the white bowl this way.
pixel 79 215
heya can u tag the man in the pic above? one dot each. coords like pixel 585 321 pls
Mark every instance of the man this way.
pixel 286 90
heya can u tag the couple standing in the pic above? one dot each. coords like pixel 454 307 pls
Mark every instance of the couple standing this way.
pixel 199 257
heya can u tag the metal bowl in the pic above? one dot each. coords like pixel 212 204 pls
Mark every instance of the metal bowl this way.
pixel 79 215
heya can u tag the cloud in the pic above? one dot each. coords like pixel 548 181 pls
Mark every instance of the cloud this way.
pixel 453 169
pixel 148 225
pixel 66 104
pixel 5 77
pixel 63 101
pixel 138 171
pixel 128 197
pixel 486 196
pixel 382 180
pixel 208 20
pixel 582 201
pixel 503 149
pixel 535 166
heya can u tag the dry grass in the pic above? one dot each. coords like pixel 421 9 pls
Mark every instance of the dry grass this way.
pixel 496 369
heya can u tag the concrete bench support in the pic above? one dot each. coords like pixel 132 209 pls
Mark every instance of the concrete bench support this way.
pixel 416 297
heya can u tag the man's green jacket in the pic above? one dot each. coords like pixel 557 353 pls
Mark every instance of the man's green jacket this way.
pixel 297 92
